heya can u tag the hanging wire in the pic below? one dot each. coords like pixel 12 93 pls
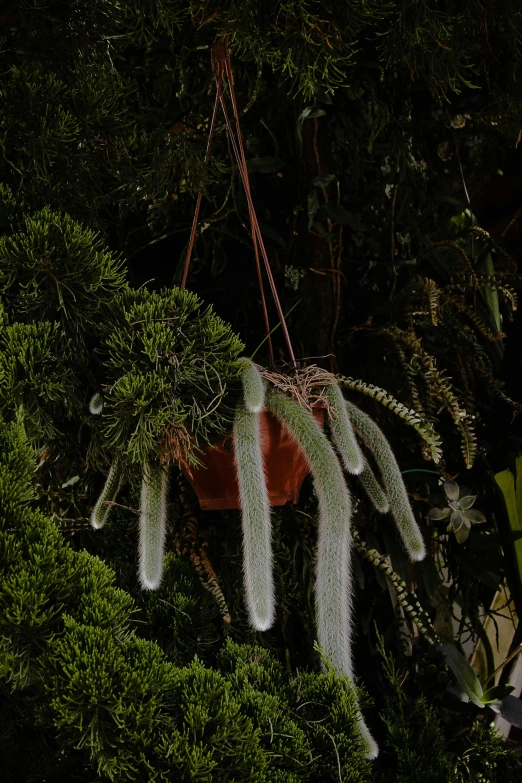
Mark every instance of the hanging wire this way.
pixel 222 66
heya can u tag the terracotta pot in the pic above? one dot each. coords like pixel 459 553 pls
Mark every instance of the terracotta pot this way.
pixel 215 481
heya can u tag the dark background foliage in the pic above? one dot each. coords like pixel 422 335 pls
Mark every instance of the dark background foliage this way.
pixel 382 142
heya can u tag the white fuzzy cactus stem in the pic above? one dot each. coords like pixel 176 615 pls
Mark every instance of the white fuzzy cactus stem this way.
pixel 253 386
pixel 374 490
pixel 101 510
pixel 96 404
pixel 400 506
pixel 153 512
pixel 342 431
pixel 255 517
pixel 333 575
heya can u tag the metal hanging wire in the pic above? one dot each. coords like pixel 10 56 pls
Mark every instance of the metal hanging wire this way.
pixel 222 67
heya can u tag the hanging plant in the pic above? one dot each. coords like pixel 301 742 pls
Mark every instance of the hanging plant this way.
pixel 174 387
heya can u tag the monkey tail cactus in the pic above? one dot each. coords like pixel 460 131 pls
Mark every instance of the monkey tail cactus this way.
pixel 255 517
pixel 153 512
pixel 101 510
pixel 96 404
pixel 342 431
pixel 374 490
pixel 253 386
pixel 400 506
pixel 333 575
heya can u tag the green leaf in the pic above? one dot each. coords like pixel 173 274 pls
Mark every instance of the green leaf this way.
pixel 310 112
pixel 268 231
pixel 264 165
pixel 511 710
pixel 506 482
pixel 464 674
pixel 518 485
pixel 451 488
pixel 475 516
pixel 219 259
pixel 461 533
pixel 341 215
pixel 322 182
pixel 438 513
pixel 70 482
pixel 496 693
pixel 494 540
pixel 467 502
pixel 313 206
pixel 456 519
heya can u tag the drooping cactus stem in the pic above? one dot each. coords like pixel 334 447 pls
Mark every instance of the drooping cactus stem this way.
pixel 374 490
pixel 253 386
pixel 153 512
pixel 400 506
pixel 342 431
pixel 96 404
pixel 333 575
pixel 255 517
pixel 101 510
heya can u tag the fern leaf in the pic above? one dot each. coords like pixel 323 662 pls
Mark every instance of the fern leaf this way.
pixel 422 427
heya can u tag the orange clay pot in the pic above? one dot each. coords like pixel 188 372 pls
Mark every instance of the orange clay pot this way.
pixel 215 480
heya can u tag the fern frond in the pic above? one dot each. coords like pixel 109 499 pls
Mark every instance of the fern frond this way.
pixel 411 378
pixel 483 282
pixel 439 387
pixel 477 322
pixel 424 428
pixel 432 291
pixel 407 600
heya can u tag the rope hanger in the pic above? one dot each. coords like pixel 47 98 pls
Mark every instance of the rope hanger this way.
pixel 222 67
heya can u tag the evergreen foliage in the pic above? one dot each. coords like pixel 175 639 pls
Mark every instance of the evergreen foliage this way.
pixel 382 140
pixel 55 269
pixel 35 372
pixel 169 364
pixel 415 734
pixel 68 646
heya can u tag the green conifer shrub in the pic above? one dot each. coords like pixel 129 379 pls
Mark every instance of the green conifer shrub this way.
pixel 105 698
pixel 169 365
pixel 36 372
pixel 55 269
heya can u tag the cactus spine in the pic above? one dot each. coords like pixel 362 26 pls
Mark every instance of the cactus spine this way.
pixel 253 386
pixel 400 507
pixel 255 517
pixel 342 431
pixel 101 510
pixel 153 511
pixel 333 576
